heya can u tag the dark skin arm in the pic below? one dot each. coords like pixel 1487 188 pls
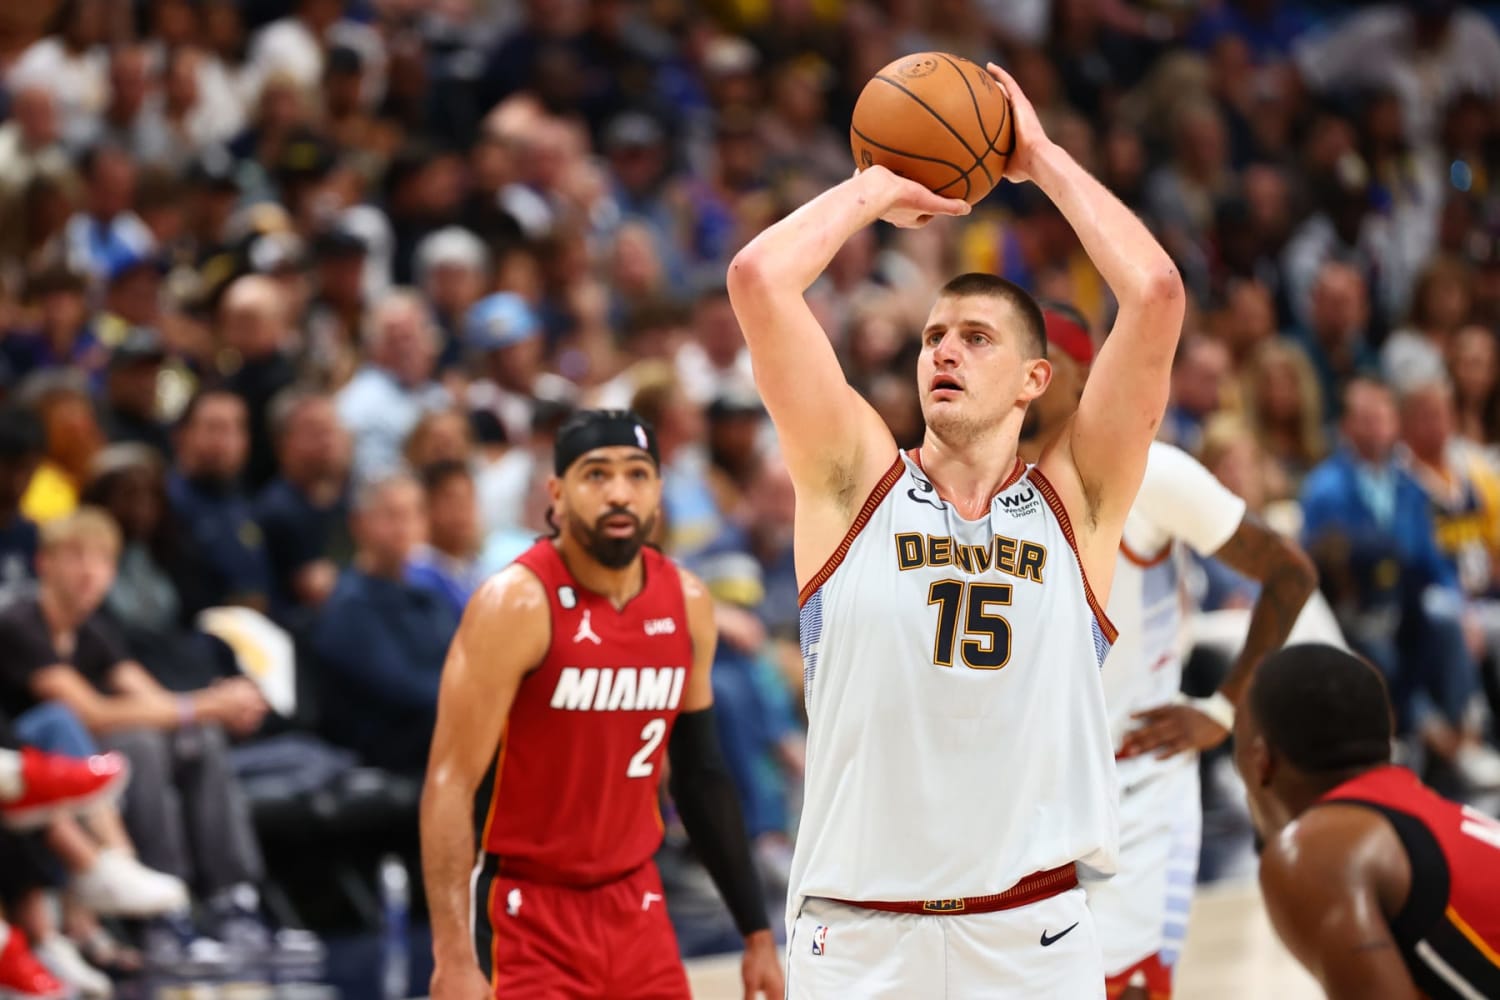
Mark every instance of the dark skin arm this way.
pixel 1331 880
pixel 1288 578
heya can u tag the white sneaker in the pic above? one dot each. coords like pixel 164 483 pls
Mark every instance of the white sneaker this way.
pixel 61 957
pixel 120 886
pixel 1478 765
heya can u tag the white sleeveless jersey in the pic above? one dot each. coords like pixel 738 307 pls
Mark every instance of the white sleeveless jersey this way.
pixel 957 738
pixel 1179 501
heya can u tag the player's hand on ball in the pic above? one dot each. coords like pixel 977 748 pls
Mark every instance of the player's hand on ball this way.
pixel 459 982
pixel 760 968
pixel 1025 126
pixel 907 204
pixel 1172 729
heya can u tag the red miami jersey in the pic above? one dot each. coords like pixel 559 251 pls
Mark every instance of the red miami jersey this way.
pixel 1449 929
pixel 572 796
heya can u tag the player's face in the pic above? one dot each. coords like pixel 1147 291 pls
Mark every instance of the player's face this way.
pixel 975 371
pixel 608 501
pixel 1253 761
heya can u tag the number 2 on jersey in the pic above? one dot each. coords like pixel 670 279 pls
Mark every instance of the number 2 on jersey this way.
pixel 640 764
pixel 986 643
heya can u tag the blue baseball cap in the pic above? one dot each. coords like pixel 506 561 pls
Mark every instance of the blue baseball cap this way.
pixel 500 320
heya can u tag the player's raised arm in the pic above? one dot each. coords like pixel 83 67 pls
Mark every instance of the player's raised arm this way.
pixel 833 441
pixel 503 634
pixel 1097 463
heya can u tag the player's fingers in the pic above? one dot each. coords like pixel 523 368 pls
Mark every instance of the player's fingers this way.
pixel 1005 79
pixel 1152 716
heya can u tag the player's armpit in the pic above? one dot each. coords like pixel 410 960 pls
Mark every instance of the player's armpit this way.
pixel 1328 880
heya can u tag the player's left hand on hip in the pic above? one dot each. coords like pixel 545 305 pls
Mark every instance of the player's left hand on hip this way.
pixel 1172 729
pixel 761 968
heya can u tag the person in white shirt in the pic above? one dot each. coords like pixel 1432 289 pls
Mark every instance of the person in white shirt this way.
pixel 1141 913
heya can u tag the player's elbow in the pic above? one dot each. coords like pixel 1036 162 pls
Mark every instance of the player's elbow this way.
pixel 1298 569
pixel 1162 288
pixel 748 272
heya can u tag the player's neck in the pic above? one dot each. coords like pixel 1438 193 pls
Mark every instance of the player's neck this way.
pixel 968 476
pixel 1302 791
pixel 617 586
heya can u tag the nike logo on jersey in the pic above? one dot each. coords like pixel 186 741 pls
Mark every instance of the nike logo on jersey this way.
pixel 1056 937
pixel 1007 555
pixel 618 689
pixel 586 630
pixel 661 626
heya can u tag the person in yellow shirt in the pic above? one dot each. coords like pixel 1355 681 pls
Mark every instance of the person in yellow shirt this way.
pixel 73 439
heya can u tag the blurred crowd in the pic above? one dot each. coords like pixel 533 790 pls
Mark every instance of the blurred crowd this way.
pixel 294 294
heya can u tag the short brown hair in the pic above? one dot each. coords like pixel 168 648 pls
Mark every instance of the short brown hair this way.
pixel 993 286
pixel 85 526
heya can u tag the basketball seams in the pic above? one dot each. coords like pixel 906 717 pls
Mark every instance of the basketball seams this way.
pixel 978 158
pixel 973 99
pixel 963 175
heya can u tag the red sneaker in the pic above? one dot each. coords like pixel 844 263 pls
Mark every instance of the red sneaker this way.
pixel 22 977
pixel 55 784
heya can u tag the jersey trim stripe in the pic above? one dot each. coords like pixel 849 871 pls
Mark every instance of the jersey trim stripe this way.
pixel 1145 562
pixel 1010 480
pixel 882 488
pixel 1061 513
pixel 494 804
pixel 1478 942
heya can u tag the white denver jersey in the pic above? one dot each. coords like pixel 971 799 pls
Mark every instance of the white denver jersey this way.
pixel 1179 501
pixel 957 738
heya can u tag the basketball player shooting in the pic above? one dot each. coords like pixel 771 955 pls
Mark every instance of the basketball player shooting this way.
pixel 1141 913
pixel 1380 887
pixel 959 765
pixel 560 697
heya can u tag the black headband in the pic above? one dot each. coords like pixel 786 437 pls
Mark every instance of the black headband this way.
pixel 602 429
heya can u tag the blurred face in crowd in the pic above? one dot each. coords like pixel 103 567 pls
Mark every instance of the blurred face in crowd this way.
pixel 252 317
pixel 1427 420
pixel 976 367
pixel 63 311
pixel 453 516
pixel 76 575
pixel 341 279
pixel 36 116
pixel 637 270
pixel 608 502
pixel 87 25
pixel 131 387
pixel 1249 317
pixel 1198 379
pixel 181 83
pixel 129 81
pixel 315 445
pixel 717 330
pixel 1280 400
pixel 175 22
pixel 440 437
pixel 1473 363
pixel 214 443
pixel 1340 306
pixel 1369 422
pixel 222 26
pixel 390 524
pixel 73 435
pixel 517 366
pixel 112 185
pixel 874 341
pixel 1238 467
pixel 135 499
pixel 453 288
pixel 773 503
pixel 1443 302
pixel 406 344
pixel 136 295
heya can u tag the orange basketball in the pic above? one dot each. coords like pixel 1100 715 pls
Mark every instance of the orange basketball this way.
pixel 937 119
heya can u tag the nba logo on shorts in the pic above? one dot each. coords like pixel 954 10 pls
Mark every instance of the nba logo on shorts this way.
pixel 820 940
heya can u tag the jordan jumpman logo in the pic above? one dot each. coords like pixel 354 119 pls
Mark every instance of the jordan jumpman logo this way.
pixel 586 630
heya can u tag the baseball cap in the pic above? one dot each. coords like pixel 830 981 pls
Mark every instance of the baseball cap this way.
pixel 120 262
pixel 451 246
pixel 735 402
pixel 140 343
pixel 500 320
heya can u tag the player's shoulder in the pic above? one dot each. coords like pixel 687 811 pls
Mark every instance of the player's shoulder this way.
pixel 514 590
pixel 1331 844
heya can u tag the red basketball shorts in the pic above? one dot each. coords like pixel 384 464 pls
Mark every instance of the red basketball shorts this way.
pixel 541 941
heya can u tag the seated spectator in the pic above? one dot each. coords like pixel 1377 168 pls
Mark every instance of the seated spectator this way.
pixel 1368 525
pixel 304 511
pixel 255 326
pixel 1283 402
pixel 440 436
pixel 504 336
pixel 1200 374
pixel 449 561
pixel 72 437
pixel 21 448
pixel 184 809
pixel 61 334
pixel 384 401
pixel 380 641
pixel 207 499
pixel 129 410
